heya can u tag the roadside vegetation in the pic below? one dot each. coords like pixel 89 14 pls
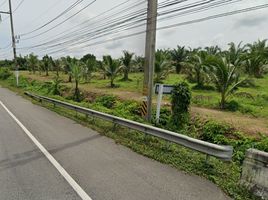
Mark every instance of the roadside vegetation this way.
pixel 233 80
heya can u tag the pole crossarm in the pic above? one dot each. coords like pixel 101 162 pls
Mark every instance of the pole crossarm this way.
pixel 3 12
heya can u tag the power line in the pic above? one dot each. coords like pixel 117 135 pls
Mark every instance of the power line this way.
pixel 254 8
pixel 55 18
pixel 101 30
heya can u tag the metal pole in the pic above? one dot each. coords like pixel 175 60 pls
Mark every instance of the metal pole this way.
pixel 159 100
pixel 150 55
pixel 13 41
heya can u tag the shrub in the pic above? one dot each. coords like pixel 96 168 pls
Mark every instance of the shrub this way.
pixel 4 73
pixel 181 98
pixel 107 101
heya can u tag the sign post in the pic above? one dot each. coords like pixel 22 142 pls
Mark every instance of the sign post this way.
pixel 161 89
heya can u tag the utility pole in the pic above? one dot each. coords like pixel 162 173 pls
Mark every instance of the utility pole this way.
pixel 150 56
pixel 13 40
pixel 13 43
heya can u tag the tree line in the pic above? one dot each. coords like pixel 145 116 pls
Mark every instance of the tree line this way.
pixel 225 69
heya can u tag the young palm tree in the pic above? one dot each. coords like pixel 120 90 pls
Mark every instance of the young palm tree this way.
pixel 76 73
pixel 88 67
pixel 139 63
pixel 225 77
pixel 197 66
pixel 178 57
pixel 163 66
pixel 213 50
pixel 127 63
pixel 112 68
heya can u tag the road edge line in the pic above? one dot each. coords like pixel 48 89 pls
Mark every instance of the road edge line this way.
pixel 52 160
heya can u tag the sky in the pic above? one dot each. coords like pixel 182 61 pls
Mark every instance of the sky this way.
pixel 33 14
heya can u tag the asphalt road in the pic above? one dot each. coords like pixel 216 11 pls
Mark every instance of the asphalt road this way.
pixel 103 169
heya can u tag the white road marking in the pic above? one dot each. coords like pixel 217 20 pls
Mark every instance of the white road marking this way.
pixel 53 161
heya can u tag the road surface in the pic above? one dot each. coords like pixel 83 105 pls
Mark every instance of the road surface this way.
pixel 78 163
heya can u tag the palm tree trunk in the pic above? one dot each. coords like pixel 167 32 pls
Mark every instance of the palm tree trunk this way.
pixel 223 100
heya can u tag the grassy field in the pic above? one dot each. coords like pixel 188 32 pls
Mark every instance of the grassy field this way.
pixel 250 113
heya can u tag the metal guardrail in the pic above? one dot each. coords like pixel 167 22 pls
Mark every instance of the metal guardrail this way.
pixel 219 151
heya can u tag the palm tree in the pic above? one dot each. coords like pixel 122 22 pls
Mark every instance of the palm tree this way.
pixel 76 73
pixel 178 57
pixel 88 67
pixel 112 68
pixel 196 69
pixel 225 77
pixel 127 63
pixel 163 66
pixel 32 62
pixel 46 62
pixel 139 63
pixel 236 54
pixel 213 50
pixel 257 58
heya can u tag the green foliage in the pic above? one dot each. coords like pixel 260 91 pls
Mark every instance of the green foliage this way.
pixel 4 73
pixel 181 98
pixel 163 66
pixel 179 57
pixel 107 101
pixel 127 63
pixel 55 87
pixel 112 67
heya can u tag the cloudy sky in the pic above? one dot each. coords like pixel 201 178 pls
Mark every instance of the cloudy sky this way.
pixel 84 33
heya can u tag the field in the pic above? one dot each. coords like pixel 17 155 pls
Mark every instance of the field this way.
pixel 248 111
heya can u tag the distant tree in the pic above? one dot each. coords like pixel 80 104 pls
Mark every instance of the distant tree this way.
pixel 257 58
pixel 213 50
pixel 32 62
pixel 46 63
pixel 88 68
pixel 87 57
pixel 139 63
pixel 76 73
pixel 22 62
pixel 127 63
pixel 163 66
pixel 196 68
pixel 179 57
pixel 112 68
pixel 236 54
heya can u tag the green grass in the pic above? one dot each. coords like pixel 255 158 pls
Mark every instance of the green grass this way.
pixel 257 107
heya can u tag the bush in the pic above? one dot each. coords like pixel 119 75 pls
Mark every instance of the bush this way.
pixel 107 101
pixel 181 99
pixel 4 73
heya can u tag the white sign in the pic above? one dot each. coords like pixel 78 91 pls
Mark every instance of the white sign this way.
pixel 167 89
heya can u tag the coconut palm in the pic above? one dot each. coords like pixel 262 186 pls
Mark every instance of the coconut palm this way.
pixel 225 77
pixel 127 63
pixel 112 68
pixel 88 67
pixel 139 63
pixel 163 66
pixel 178 57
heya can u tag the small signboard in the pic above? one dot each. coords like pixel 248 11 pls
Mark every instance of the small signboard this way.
pixel 167 89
